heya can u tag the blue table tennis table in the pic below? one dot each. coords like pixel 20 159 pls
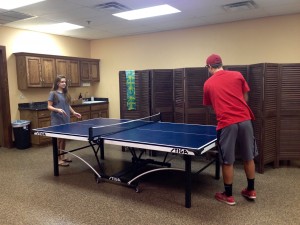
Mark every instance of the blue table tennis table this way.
pixel 169 138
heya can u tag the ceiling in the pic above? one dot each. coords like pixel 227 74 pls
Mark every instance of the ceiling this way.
pixel 99 23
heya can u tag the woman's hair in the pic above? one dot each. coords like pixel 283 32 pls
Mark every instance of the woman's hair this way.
pixel 57 80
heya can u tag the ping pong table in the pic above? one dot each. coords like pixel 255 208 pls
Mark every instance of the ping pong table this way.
pixel 144 134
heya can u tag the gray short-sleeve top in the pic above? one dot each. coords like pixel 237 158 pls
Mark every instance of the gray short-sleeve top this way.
pixel 59 102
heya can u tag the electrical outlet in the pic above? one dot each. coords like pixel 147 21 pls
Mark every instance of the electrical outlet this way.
pixel 86 84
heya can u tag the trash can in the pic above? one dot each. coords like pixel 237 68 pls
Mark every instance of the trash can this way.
pixel 21 129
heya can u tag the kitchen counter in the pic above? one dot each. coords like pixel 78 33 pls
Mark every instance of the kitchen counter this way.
pixel 35 106
pixel 39 116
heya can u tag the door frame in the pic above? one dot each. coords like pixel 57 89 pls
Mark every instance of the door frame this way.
pixel 5 116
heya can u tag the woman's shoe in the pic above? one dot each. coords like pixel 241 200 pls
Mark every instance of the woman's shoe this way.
pixel 67 160
pixel 62 163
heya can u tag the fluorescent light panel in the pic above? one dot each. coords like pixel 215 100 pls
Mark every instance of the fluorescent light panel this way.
pixel 13 4
pixel 147 12
pixel 56 28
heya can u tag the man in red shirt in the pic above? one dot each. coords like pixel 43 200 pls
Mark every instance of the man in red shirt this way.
pixel 227 92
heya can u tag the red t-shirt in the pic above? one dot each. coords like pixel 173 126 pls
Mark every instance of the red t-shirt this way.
pixel 224 90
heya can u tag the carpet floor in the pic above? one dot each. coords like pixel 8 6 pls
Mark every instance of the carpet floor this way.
pixel 30 194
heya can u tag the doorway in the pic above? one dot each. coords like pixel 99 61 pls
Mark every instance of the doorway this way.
pixel 5 117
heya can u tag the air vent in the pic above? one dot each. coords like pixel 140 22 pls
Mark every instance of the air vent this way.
pixel 12 16
pixel 238 6
pixel 113 6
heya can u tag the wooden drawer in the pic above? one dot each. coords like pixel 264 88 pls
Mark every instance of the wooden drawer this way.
pixel 99 107
pixel 43 113
pixel 81 109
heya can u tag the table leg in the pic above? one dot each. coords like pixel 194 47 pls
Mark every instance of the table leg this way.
pixel 101 149
pixel 188 180
pixel 55 156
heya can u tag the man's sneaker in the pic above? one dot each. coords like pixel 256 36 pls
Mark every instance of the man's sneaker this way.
pixel 222 197
pixel 249 194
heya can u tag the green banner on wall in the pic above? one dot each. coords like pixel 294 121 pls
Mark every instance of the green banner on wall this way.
pixel 130 89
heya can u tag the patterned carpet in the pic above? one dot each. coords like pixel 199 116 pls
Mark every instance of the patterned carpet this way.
pixel 30 194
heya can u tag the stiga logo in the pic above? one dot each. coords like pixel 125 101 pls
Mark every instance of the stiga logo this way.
pixel 40 133
pixel 180 151
pixel 116 179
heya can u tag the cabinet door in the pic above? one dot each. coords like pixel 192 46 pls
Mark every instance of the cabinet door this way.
pixel 95 114
pixel 85 71
pixel 62 67
pixel 74 73
pixel 48 71
pixel 85 116
pixel 44 122
pixel 84 110
pixel 99 110
pixel 73 119
pixel 70 69
pixel 33 71
pixel 90 71
pixel 94 71
pixel 104 114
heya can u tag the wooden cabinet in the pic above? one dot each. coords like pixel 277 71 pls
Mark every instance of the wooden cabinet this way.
pixel 37 119
pixel 99 110
pixel 40 70
pixel 69 68
pixel 91 111
pixel 41 118
pixel 90 70
pixel 84 110
pixel 34 71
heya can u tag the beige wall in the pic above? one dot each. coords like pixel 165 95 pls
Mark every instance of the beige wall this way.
pixel 16 40
pixel 274 39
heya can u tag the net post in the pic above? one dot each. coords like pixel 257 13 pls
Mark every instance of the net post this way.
pixel 90 133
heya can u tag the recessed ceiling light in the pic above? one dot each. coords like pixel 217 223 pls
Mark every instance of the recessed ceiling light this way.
pixel 12 4
pixel 147 12
pixel 56 28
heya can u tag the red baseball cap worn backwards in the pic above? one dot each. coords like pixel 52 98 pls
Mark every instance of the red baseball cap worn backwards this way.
pixel 213 60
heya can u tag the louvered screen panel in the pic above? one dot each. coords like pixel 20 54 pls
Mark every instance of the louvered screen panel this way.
pixel 269 138
pixel 195 111
pixel 142 85
pixel 265 133
pixel 255 81
pixel 289 138
pixel 162 94
pixel 243 69
pixel 290 89
pixel 212 120
pixel 257 128
pixel 195 79
pixel 263 81
pixel 271 80
pixel 196 116
pixel 178 81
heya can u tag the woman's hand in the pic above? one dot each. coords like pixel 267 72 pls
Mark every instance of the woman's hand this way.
pixel 61 111
pixel 78 115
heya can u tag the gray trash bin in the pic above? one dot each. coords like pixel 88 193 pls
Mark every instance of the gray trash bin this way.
pixel 21 129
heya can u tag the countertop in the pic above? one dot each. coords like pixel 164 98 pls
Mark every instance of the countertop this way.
pixel 44 105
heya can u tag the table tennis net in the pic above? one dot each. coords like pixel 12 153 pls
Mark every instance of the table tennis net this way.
pixel 96 132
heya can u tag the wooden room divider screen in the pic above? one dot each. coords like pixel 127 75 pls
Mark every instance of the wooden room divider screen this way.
pixel 274 99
